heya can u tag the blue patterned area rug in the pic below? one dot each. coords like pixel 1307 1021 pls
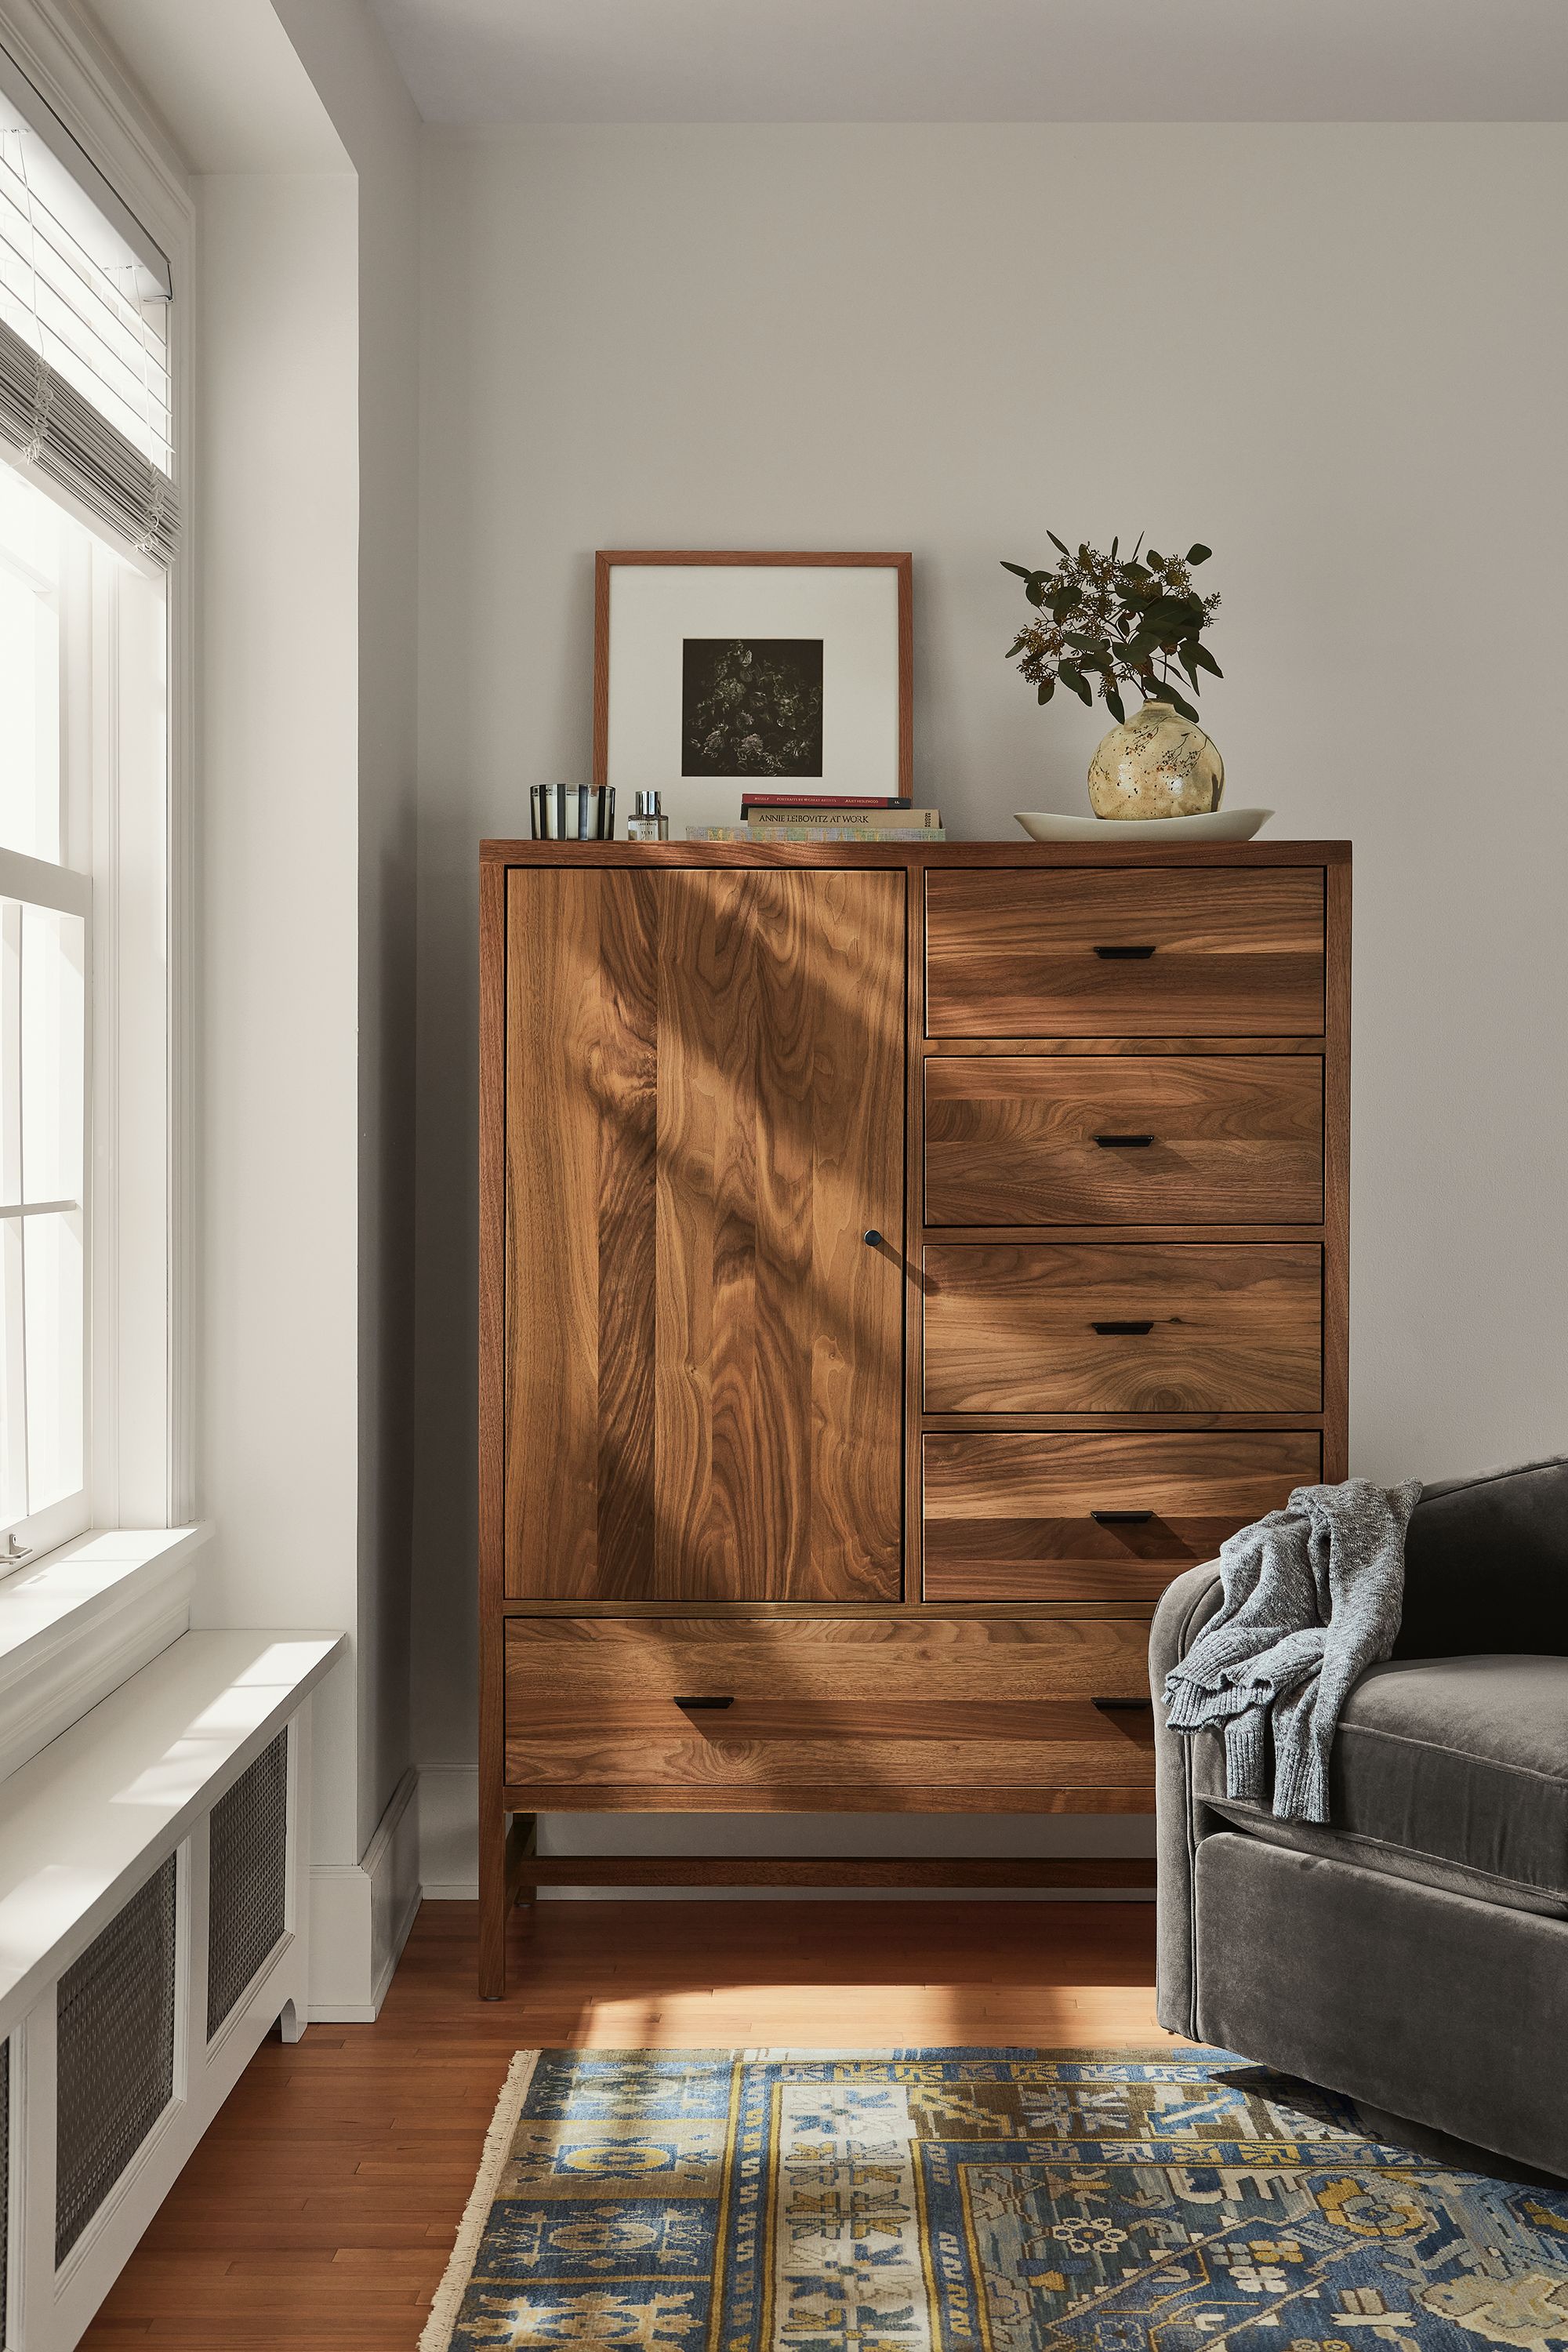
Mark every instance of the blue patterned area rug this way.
pixel 976 2200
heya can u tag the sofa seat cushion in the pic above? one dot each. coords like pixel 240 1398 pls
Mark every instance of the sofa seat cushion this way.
pixel 1452 1771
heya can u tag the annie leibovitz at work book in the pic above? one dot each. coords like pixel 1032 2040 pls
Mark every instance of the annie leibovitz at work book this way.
pixel 820 816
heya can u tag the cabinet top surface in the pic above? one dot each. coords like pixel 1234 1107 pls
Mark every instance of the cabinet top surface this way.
pixel 1027 854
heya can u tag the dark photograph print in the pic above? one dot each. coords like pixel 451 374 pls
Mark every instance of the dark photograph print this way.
pixel 751 707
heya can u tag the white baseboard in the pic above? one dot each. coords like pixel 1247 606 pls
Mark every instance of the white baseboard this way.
pixel 449 1846
pixel 361 1914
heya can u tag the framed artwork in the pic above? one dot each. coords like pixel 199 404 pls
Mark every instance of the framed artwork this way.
pixel 784 672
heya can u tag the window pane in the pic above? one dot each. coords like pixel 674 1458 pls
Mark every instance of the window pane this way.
pixel 53 1006
pixel 30 531
pixel 13 1386
pixel 52 1324
pixel 10 1051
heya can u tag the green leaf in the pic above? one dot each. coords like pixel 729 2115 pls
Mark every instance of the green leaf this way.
pixel 1015 648
pixel 1206 660
pixel 1198 553
pixel 1073 677
pixel 1035 592
pixel 1059 543
pixel 1168 693
pixel 1084 642
pixel 1115 705
pixel 1021 569
pixel 1047 687
pixel 1173 616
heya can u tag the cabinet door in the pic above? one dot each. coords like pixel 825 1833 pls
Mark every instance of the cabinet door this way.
pixel 705 1114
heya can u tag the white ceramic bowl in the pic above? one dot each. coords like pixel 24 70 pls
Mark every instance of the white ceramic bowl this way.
pixel 1214 825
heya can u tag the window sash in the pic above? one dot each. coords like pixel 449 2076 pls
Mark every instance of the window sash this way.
pixel 30 1338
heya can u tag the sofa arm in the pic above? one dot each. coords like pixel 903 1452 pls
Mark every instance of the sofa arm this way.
pixel 1485 1565
pixel 1186 1605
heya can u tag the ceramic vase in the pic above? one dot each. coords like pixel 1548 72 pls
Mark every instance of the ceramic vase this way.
pixel 1156 764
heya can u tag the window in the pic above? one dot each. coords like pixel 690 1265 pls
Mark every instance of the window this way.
pixel 90 1428
pixel 81 698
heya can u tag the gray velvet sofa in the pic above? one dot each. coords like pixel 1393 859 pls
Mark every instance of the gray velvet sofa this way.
pixel 1414 1954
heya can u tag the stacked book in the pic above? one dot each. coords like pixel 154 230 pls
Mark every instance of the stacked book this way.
pixel 831 816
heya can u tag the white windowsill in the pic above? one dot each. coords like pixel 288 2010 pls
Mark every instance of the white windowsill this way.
pixel 77 1622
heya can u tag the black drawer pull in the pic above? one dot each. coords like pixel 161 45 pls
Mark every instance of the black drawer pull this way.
pixel 1121 1518
pixel 871 1237
pixel 1123 1143
pixel 705 1702
pixel 1121 1330
pixel 1124 955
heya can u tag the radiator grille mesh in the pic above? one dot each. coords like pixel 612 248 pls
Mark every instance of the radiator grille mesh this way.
pixel 245 1917
pixel 116 2053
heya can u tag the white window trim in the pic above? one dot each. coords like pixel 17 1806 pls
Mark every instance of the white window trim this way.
pixel 73 1626
pixel 142 1380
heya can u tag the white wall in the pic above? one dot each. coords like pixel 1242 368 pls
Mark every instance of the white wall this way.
pixel 278 864
pixel 1335 353
pixel 352 73
pixel 305 151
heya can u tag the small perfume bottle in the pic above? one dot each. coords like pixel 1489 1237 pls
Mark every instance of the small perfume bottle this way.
pixel 647 821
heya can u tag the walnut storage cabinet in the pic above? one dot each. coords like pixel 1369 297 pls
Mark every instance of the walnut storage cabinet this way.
pixel 896 1264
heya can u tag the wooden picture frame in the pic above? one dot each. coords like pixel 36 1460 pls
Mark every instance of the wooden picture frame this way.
pixel 900 780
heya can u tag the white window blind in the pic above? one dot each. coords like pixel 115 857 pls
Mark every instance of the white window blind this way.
pixel 85 392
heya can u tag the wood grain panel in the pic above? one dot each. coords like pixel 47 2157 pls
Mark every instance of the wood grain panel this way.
pixel 1020 955
pixel 1075 1789
pixel 1337 1180
pixel 855 1711
pixel 837 1870
pixel 863 1661
pixel 1227 1329
pixel 1235 1139
pixel 1091 1753
pixel 575 1715
pixel 704 1114
pixel 1009 1515
pixel 555 1032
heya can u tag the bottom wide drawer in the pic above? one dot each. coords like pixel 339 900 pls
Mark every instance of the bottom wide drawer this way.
pixel 862 1714
pixel 1021 1516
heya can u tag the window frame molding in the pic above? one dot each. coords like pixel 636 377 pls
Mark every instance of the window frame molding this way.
pixel 142 1255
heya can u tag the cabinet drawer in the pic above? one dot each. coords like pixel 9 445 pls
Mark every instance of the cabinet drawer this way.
pixel 822 1713
pixel 1170 1327
pixel 1098 1139
pixel 1018 1516
pixel 1128 952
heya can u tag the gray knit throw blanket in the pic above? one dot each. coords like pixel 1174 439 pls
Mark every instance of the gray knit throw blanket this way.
pixel 1313 1596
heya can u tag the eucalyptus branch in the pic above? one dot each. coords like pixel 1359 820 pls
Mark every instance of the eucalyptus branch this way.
pixel 1106 621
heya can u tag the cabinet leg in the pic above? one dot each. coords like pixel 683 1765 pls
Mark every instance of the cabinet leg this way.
pixel 494 1906
pixel 521 1845
pixel 502 1885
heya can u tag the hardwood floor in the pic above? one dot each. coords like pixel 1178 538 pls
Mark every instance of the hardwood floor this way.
pixel 318 2212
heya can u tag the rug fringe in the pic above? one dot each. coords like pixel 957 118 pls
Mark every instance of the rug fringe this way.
pixel 449 2299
